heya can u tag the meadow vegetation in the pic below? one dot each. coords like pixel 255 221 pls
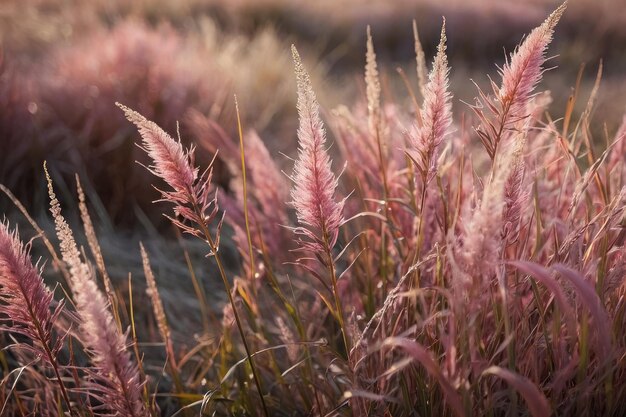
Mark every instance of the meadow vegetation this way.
pixel 412 256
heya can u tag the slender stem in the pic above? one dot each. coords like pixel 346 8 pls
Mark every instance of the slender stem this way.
pixel 245 195
pixel 420 232
pixel 50 356
pixel 205 231
pixel 61 384
pixel 333 278
pixel 383 169
pixel 206 312
pixel 146 394
pixel 510 349
pixel 383 173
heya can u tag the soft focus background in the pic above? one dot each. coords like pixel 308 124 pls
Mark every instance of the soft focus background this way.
pixel 64 63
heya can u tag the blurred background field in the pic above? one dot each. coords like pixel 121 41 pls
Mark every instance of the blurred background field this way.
pixel 64 63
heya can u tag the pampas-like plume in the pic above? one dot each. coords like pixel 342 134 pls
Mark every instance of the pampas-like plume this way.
pixel 69 250
pixel 190 193
pixel 25 301
pixel 372 84
pixel 191 198
pixel 523 72
pixel 313 193
pixel 92 240
pixel 117 377
pixel 171 162
pixel 155 299
pixel 520 76
pixel 107 348
pixel 436 113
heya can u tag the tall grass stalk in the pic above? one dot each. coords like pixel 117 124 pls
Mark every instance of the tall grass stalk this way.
pixel 190 196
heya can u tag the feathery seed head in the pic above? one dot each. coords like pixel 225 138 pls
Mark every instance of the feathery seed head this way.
pixel 436 113
pixel 171 162
pixel 25 300
pixel 121 384
pixel 69 250
pixel 107 348
pixel 155 298
pixel 441 60
pixel 521 75
pixel 372 84
pixel 314 182
pixel 190 195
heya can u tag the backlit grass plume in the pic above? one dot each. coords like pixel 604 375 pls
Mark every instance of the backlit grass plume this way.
pixel 420 59
pixel 520 76
pixel 436 114
pixel 26 303
pixel 523 72
pixel 190 193
pixel 372 85
pixel 313 193
pixel 116 378
pixel 190 196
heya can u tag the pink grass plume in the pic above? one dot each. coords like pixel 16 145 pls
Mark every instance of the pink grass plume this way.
pixel 107 347
pixel 523 72
pixel 26 303
pixel 436 113
pixel 25 299
pixel 116 379
pixel 372 85
pixel 190 192
pixel 171 162
pixel 313 193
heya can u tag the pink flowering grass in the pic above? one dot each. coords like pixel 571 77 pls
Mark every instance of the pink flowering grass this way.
pixel 313 194
pixel 26 304
pixel 435 115
pixel 461 263
pixel 116 379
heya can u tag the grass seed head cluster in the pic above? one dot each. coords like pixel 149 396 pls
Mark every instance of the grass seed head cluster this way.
pixel 430 263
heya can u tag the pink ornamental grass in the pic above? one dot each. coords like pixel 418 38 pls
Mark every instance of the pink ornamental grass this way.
pixel 116 378
pixel 523 72
pixel 190 195
pixel 190 192
pixel 313 193
pixel 171 162
pixel 513 99
pixel 25 299
pixel 436 113
pixel 372 84
pixel 26 302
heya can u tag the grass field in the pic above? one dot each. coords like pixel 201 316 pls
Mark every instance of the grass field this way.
pixel 282 208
